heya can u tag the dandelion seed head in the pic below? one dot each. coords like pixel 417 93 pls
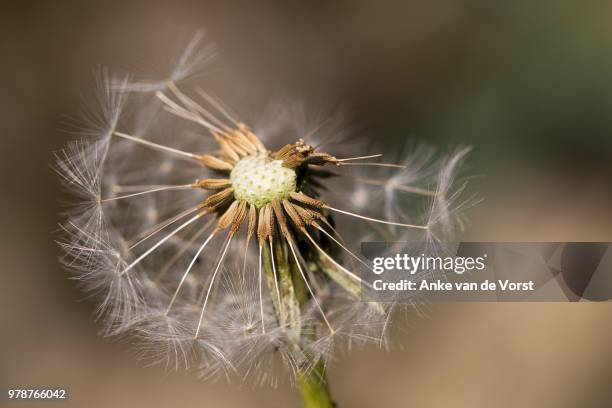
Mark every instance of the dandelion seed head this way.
pixel 233 248
pixel 258 180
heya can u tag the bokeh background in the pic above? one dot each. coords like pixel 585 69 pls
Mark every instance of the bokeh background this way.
pixel 527 83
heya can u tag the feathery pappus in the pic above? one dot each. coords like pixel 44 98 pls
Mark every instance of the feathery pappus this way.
pixel 233 247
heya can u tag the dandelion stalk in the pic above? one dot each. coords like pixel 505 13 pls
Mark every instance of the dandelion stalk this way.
pixel 314 388
pixel 311 380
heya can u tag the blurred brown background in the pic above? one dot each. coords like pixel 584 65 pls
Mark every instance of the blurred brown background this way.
pixel 527 83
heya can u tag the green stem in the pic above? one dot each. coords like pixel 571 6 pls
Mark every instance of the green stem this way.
pixel 312 383
pixel 314 388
